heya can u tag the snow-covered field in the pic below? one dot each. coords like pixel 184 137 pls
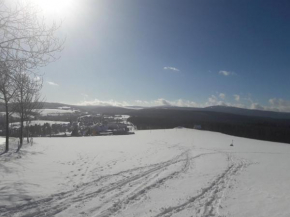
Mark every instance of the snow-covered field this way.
pixel 53 112
pixel 3 114
pixel 39 122
pixel 47 112
pixel 178 172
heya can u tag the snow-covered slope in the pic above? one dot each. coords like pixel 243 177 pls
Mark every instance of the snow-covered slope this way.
pixel 178 172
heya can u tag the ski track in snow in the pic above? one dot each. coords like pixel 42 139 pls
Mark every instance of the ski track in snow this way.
pixel 207 202
pixel 116 192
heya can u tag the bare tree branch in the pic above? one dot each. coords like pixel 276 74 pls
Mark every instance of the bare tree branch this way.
pixel 26 39
pixel 27 42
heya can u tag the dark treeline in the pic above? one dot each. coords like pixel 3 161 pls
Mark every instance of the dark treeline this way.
pixel 277 130
pixel 61 117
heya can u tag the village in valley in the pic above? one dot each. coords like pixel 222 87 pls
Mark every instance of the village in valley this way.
pixel 65 121
pixel 94 125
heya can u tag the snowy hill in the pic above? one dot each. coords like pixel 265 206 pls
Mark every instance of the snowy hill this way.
pixel 177 172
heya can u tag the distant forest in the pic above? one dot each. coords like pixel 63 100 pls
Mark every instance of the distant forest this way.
pixel 262 128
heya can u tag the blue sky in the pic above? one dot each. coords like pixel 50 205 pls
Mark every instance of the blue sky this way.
pixel 185 53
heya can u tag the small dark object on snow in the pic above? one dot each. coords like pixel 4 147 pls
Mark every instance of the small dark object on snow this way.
pixel 232 143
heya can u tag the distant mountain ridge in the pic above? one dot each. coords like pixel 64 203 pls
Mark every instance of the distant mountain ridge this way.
pixel 133 109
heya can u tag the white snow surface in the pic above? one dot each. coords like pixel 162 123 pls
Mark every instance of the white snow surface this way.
pixel 177 172
pixel 12 115
pixel 47 112
pixel 54 112
pixel 2 140
pixel 39 122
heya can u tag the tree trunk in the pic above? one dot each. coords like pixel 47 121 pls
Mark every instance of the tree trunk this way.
pixel 21 133
pixel 27 128
pixel 21 119
pixel 7 127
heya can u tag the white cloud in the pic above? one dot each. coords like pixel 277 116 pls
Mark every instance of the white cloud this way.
pixel 257 106
pixel 158 102
pixel 279 105
pixel 52 83
pixel 226 73
pixel 142 102
pixel 222 95
pixel 162 102
pixel 274 104
pixel 178 103
pixel 171 68
pixel 212 101
pixel 186 103
pixel 237 97
pixel 98 102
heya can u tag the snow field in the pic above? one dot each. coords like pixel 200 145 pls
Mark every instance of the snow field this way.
pixel 52 112
pixel 39 122
pixel 2 140
pixel 178 172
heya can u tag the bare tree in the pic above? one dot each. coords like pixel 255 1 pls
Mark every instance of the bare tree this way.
pixel 25 37
pixel 27 99
pixel 27 42
pixel 7 92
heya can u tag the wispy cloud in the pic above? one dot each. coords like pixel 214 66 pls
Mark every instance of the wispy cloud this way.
pixel 237 97
pixel 163 102
pixel 98 102
pixel 256 106
pixel 171 68
pixel 138 101
pixel 52 83
pixel 222 95
pixel 274 104
pixel 178 103
pixel 279 105
pixel 226 73
pixel 212 101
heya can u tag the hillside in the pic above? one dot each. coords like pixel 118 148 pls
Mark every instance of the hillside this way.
pixel 155 173
pixel 249 126
pixel 256 124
